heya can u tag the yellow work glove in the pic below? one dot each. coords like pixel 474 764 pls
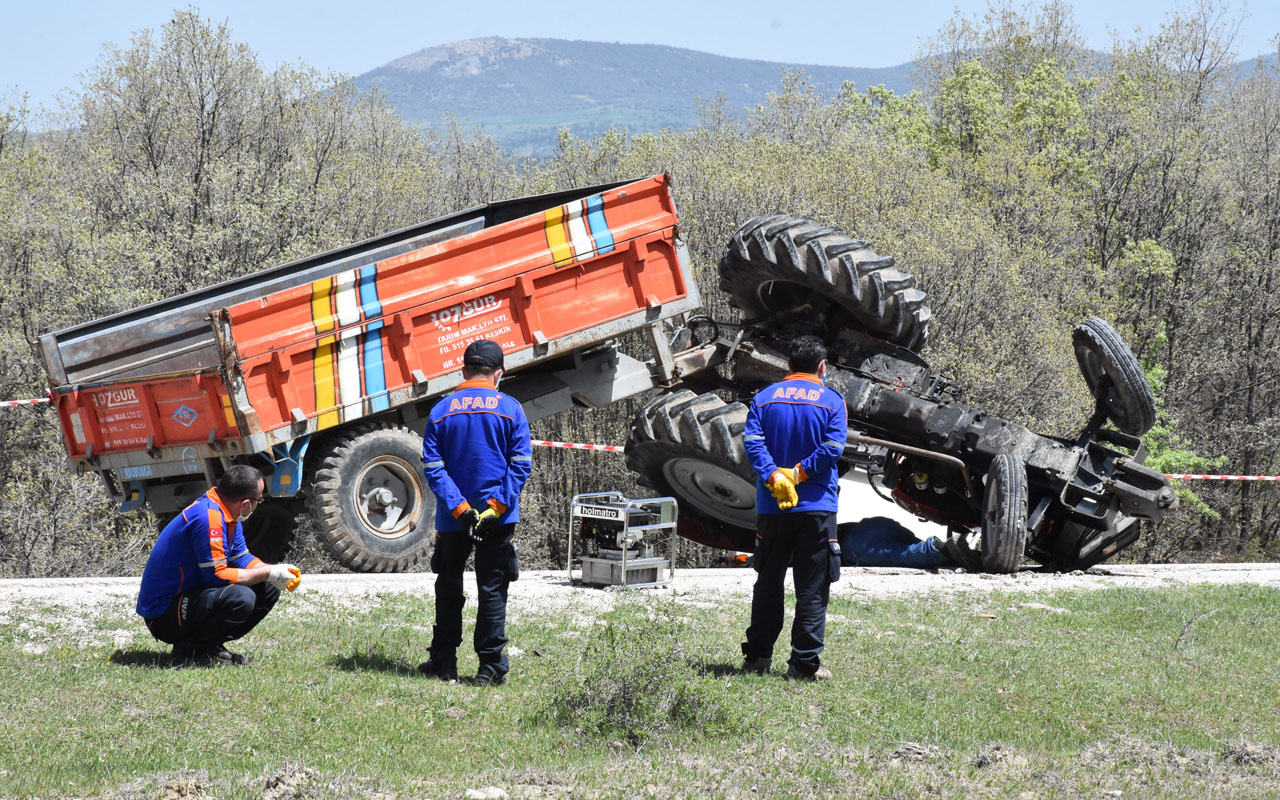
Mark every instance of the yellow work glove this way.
pixel 783 488
pixel 285 576
pixel 486 521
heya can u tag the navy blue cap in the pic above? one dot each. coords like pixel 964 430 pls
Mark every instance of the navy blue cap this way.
pixel 483 353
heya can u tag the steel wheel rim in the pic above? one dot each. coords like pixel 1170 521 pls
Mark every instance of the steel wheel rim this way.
pixel 388 497
pixel 713 490
pixel 780 296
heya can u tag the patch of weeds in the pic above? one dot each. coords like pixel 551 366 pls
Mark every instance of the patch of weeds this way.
pixel 295 781
pixel 997 753
pixel 636 679
pixel 1132 752
pixel 290 782
pixel 171 786
pixel 1247 754
pixel 182 789
pixel 915 753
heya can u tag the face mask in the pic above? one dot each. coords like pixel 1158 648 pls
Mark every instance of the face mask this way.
pixel 247 511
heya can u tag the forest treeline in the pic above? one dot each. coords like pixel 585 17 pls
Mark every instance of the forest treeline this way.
pixel 1030 184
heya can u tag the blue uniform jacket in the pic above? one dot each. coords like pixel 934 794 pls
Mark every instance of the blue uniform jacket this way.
pixel 476 452
pixel 202 547
pixel 797 422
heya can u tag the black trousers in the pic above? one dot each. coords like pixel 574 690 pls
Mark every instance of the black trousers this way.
pixel 802 541
pixel 497 565
pixel 205 619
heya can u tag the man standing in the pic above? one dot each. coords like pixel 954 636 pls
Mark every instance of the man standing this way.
pixel 794 435
pixel 476 457
pixel 202 587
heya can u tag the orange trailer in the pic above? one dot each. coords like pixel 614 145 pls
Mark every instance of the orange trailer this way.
pixel 322 370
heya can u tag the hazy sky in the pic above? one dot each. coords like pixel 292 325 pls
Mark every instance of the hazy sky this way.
pixel 44 46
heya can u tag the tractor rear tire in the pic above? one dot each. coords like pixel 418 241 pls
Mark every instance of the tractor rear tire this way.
pixel 782 267
pixel 1004 515
pixel 1114 376
pixel 689 446
pixel 373 509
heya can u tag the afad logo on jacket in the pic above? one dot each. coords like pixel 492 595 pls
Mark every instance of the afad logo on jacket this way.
pixel 472 402
pixel 796 393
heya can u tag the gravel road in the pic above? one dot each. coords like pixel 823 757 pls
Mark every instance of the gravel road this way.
pixel 537 586
pixel 84 613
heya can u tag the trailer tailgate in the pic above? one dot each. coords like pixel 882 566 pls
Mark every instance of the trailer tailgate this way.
pixel 165 411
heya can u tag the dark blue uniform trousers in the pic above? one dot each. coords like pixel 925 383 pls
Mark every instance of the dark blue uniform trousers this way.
pixel 800 541
pixel 496 566
pixel 205 619
pixel 882 542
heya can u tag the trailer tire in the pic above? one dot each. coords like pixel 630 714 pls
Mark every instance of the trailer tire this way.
pixel 777 266
pixel 373 509
pixel 1114 376
pixel 1004 515
pixel 689 446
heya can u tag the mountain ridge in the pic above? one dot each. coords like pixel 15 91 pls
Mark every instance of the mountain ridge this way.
pixel 522 91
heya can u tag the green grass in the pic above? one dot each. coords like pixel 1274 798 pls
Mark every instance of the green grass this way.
pixel 1166 693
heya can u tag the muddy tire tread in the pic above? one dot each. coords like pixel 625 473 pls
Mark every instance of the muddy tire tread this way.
pixel 880 299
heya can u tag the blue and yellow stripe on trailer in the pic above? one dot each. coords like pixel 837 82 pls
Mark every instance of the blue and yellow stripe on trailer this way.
pixel 375 369
pixel 326 388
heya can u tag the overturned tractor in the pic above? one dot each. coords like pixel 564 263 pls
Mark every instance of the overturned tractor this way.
pixel 1066 504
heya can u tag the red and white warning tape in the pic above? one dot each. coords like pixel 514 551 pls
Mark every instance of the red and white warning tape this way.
pixel 608 448
pixel 1225 477
pixel 613 448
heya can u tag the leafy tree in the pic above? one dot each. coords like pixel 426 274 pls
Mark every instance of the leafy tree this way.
pixel 182 163
pixel 1029 185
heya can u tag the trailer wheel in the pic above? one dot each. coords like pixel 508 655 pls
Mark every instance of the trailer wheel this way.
pixel 689 446
pixel 1004 515
pixel 373 509
pixel 1114 376
pixel 784 268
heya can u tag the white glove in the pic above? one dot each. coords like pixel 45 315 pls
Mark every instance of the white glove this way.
pixel 285 576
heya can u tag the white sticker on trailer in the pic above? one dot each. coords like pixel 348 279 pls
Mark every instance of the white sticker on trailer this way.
pixel 596 512
pixel 582 244
pixel 77 427
pixel 349 388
